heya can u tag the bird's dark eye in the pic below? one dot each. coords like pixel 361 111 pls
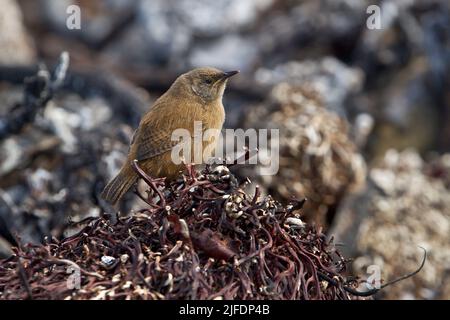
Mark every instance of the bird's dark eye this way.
pixel 208 81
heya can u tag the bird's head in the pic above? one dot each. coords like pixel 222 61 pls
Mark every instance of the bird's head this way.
pixel 207 83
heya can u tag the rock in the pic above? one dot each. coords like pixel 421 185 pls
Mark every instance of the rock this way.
pixel 108 261
pixel 406 204
pixel 166 31
pixel 219 17
pixel 228 53
pixel 333 80
pixel 405 102
pixel 318 160
pixel 97 18
pixel 52 171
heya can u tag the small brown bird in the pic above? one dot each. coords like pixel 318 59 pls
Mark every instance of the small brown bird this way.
pixel 194 96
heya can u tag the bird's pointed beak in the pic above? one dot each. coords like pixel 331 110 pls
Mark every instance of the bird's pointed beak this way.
pixel 229 74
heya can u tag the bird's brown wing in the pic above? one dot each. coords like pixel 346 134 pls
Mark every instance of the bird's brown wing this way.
pixel 150 143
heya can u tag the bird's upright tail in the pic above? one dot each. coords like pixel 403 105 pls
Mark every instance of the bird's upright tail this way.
pixel 118 186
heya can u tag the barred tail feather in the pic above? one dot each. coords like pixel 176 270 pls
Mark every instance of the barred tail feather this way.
pixel 117 187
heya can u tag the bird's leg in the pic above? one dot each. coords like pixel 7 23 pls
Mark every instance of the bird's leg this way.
pixel 149 181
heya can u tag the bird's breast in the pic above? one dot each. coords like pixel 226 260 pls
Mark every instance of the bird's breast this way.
pixel 214 116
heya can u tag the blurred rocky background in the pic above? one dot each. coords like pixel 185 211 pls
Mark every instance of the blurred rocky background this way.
pixel 364 115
